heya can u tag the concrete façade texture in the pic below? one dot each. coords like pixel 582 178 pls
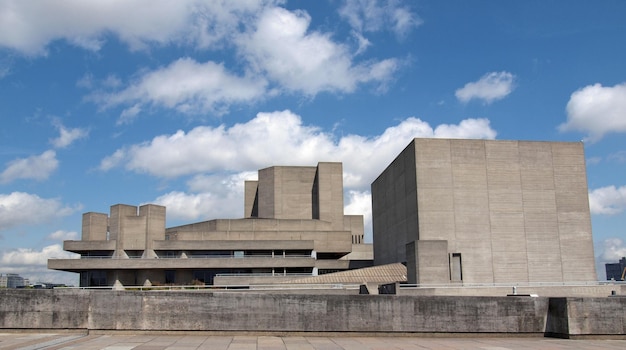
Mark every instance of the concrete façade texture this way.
pixel 277 314
pixel 485 211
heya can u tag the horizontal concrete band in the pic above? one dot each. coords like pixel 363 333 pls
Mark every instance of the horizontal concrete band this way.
pixel 249 312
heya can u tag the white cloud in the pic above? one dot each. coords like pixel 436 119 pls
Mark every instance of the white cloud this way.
pixel 236 153
pixel 610 250
pixel 363 43
pixel 376 15
pixel 129 114
pixel 613 250
pixel 221 158
pixel 596 110
pixel 608 200
pixel 187 86
pixel 29 27
pixel 28 256
pixel 62 235
pixel 19 208
pixel 466 129
pixel 280 137
pixel 223 184
pixel 490 87
pixel 307 62
pixel 32 264
pixel 68 136
pixel 360 203
pixel 212 196
pixel 35 167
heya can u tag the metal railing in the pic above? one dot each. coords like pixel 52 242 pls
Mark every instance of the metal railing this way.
pixel 265 274
pixel 297 256
pixel 256 287
pixel 512 284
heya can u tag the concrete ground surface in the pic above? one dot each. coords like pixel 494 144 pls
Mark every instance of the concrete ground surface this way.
pixel 49 341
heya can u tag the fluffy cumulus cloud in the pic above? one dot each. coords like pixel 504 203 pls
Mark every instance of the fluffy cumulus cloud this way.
pixel 282 136
pixel 306 61
pixel 29 257
pixel 490 87
pixel 29 27
pixel 376 15
pixel 596 110
pixel 186 86
pixel 32 264
pixel 17 208
pixel 219 159
pixel 608 200
pixel 210 196
pixel 38 167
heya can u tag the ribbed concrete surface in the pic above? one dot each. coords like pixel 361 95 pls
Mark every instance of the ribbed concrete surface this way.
pixel 390 273
pixel 171 342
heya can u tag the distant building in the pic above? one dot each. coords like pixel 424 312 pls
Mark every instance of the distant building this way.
pixel 11 280
pixel 616 271
pixel 293 226
pixel 485 211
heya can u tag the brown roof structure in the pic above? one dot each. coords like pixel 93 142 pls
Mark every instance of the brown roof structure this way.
pixel 376 274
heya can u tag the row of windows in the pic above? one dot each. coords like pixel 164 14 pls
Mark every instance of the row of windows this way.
pixel 171 254
pixel 98 278
pixel 357 239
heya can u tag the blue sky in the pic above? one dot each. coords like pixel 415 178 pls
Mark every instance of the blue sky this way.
pixel 178 102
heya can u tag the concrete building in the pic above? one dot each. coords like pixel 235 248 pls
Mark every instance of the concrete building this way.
pixel 616 271
pixel 293 226
pixel 11 280
pixel 484 211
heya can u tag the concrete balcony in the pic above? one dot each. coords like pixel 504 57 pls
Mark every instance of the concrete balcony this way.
pixel 234 245
pixel 76 265
pixel 85 246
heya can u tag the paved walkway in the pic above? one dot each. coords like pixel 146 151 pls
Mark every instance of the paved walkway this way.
pixel 32 341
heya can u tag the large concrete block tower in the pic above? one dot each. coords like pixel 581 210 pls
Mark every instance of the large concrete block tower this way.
pixel 485 211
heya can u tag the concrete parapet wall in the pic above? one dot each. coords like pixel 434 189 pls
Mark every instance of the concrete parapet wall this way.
pixel 279 313
pixel 595 291
pixel 572 317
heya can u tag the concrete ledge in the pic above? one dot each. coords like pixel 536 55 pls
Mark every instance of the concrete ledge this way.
pixel 258 313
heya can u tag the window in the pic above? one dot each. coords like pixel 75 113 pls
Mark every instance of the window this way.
pixel 97 278
pixel 456 269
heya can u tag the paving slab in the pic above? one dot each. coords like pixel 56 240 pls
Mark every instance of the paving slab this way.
pixel 60 341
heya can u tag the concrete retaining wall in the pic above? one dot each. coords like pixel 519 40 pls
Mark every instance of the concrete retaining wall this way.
pixel 272 313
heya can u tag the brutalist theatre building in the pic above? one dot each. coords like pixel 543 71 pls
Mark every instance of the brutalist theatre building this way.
pixel 293 226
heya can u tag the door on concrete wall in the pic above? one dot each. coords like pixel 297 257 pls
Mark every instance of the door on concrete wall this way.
pixel 170 276
pixel 456 269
